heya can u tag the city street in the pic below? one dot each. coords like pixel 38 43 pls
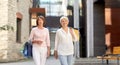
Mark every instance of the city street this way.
pixel 95 24
pixel 50 61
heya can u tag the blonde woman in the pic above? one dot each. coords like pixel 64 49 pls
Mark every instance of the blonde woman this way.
pixel 64 42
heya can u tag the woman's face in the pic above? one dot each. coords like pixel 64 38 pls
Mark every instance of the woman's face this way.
pixel 40 21
pixel 64 23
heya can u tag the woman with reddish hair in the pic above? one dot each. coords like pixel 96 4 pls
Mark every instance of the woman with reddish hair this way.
pixel 41 42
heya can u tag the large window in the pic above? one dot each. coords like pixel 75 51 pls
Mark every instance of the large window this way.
pixel 53 7
pixel 71 3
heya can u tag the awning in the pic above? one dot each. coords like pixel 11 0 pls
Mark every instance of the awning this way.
pixel 19 15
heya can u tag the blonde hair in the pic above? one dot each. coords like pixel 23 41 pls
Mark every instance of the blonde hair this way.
pixel 64 17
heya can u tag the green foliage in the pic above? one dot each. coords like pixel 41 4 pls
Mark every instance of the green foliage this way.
pixel 6 27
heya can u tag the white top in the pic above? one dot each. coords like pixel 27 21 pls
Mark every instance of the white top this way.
pixel 64 42
pixel 40 34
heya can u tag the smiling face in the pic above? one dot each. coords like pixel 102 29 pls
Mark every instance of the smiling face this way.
pixel 40 21
pixel 64 21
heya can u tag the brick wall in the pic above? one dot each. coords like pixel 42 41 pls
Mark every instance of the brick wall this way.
pixel 9 48
pixel 23 8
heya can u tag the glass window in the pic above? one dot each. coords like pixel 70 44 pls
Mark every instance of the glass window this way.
pixel 70 2
pixel 52 7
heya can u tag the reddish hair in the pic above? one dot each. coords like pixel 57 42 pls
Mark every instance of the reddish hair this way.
pixel 41 17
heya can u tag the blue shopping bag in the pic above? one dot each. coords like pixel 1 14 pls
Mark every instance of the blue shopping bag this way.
pixel 27 51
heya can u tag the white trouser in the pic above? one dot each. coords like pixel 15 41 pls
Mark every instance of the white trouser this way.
pixel 39 55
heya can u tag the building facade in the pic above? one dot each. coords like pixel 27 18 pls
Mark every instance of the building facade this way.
pixel 14 28
pixel 112 23
pixel 101 19
pixel 97 20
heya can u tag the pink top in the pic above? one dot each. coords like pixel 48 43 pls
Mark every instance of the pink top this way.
pixel 40 34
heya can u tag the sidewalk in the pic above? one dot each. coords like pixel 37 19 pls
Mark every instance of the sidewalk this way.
pixel 50 61
pixel 93 61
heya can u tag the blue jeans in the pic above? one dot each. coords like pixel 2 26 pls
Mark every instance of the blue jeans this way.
pixel 66 59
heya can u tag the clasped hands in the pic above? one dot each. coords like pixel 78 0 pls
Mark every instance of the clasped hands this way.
pixel 37 42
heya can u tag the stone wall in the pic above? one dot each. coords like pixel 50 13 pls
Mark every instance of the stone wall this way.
pixel 9 48
pixel 23 7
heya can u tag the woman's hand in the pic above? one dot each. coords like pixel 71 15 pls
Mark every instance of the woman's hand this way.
pixel 48 51
pixel 73 34
pixel 55 54
pixel 37 41
pixel 71 31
